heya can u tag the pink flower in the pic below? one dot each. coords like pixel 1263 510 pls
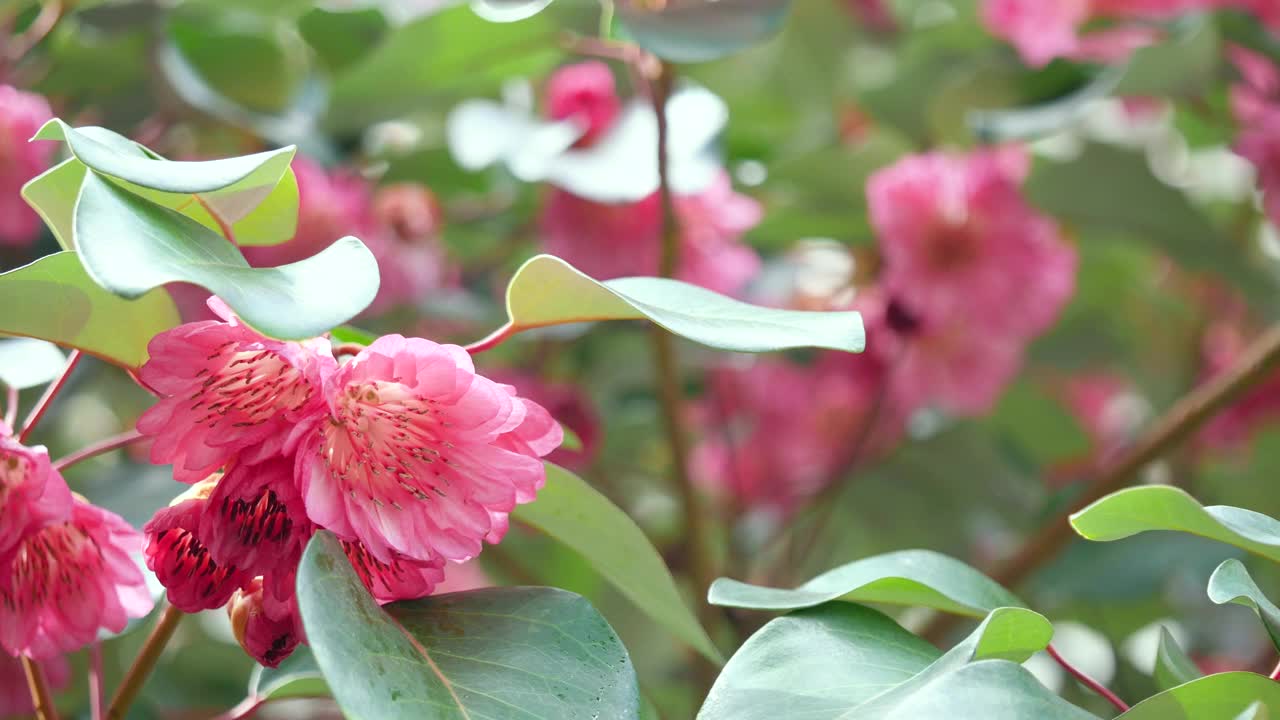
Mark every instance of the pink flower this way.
pixel 567 404
pixel 21 115
pixel 32 493
pixel 15 695
pixel 1042 31
pixel 404 236
pixel 461 577
pixel 619 240
pixel 419 455
pixel 1106 407
pixel 585 93
pixel 778 432
pixel 1256 106
pixel 182 562
pixel 69 580
pixel 330 206
pixel 268 631
pixel 401 578
pixel 225 390
pixel 255 518
pixel 958 238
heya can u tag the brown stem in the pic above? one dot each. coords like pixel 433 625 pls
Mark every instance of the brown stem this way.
pixel 1177 424
pixel 1087 681
pixel 144 663
pixel 40 696
pixel 103 446
pixel 50 392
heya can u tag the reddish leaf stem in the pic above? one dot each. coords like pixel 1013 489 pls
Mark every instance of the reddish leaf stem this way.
pixel 1275 674
pixel 19 46
pixel 50 392
pixel 40 696
pixel 96 700
pixel 144 663
pixel 103 446
pixel 1087 681
pixel 493 339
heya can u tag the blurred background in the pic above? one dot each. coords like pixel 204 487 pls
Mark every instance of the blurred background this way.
pixel 822 161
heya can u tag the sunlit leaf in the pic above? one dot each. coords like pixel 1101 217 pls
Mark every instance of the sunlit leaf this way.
pixel 26 362
pixel 496 653
pixel 1225 695
pixel 1231 583
pixel 908 577
pixel 700 30
pixel 130 245
pixel 549 291
pixel 1173 666
pixel 54 299
pixel 508 10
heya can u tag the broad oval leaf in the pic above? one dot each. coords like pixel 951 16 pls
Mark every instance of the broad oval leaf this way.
pixel 1225 695
pixel 54 299
pixel 700 30
pixel 575 514
pixel 27 362
pixel 1255 711
pixel 840 660
pixel 1161 507
pixel 298 676
pixel 499 652
pixel 130 245
pixel 508 10
pixel 906 577
pixel 549 291
pixel 1231 583
pixel 1173 666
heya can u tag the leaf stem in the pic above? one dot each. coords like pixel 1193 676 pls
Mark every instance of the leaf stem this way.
pixel 1275 674
pixel 1087 681
pixel 40 696
pixel 144 663
pixel 102 446
pixel 223 225
pixel 50 11
pixel 492 340
pixel 1177 424
pixel 50 392
pixel 11 407
pixel 246 709
pixel 96 699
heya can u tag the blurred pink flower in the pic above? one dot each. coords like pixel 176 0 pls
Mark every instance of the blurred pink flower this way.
pixel 68 580
pixel 1102 404
pixel 585 93
pixel 182 562
pixel 1042 31
pixel 568 404
pixel 777 432
pixel 1256 106
pixel 15 695
pixel 418 454
pixel 1221 346
pixel 268 631
pixel 226 390
pixel 21 115
pixel 401 578
pixel 32 493
pixel 618 240
pixel 958 237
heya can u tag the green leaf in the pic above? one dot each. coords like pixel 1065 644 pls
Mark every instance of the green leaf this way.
pixel 26 362
pixel 906 577
pixel 1160 507
pixel 349 334
pixel 1173 667
pixel 298 676
pixel 1256 711
pixel 130 245
pixel 1225 695
pixel 549 291
pixel 1183 65
pixel 575 514
pixel 1148 211
pixel 841 660
pixel 52 194
pixel 54 299
pixel 508 10
pixel 700 30
pixel 495 653
pixel 231 187
pixel 342 37
pixel 1231 583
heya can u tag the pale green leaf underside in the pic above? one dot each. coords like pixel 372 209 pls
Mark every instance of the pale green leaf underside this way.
pixel 1231 583
pixel 1173 666
pixel 27 362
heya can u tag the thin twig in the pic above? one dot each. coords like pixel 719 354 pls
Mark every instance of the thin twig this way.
pixel 102 446
pixel 243 711
pixel 40 696
pixel 50 392
pixel 144 663
pixel 96 700
pixel 1177 424
pixel 1087 681
pixel 11 407
pixel 39 28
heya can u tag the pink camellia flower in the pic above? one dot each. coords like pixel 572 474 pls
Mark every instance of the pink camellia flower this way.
pixel 618 240
pixel 778 432
pixel 21 115
pixel 269 632
pixel 958 237
pixel 404 236
pixel 15 695
pixel 419 455
pixel 182 562
pixel 32 493
pixel 401 578
pixel 68 580
pixel 255 518
pixel 585 93
pixel 1042 31
pixel 227 390
pixel 1256 106
pixel 567 404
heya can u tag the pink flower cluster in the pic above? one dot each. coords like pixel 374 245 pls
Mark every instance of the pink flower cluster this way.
pixel 1042 31
pixel 400 223
pixel 21 115
pixel 616 240
pixel 1255 102
pixel 66 570
pixel 404 452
